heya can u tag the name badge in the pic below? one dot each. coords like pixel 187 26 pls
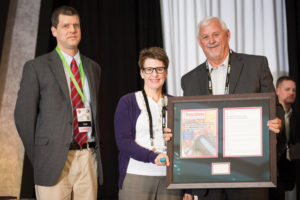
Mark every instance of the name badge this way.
pixel 84 119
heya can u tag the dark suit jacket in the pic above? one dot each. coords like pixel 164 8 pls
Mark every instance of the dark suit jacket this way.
pixel 249 74
pixel 286 169
pixel 43 114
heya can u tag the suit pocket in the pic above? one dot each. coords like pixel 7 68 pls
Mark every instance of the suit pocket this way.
pixel 40 141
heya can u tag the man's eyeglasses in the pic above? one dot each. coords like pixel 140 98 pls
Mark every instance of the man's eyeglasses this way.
pixel 149 70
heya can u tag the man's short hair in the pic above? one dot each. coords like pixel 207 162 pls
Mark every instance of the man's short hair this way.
pixel 208 20
pixel 154 53
pixel 62 10
pixel 283 78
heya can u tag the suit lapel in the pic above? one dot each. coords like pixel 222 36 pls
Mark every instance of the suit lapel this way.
pixel 59 73
pixel 201 80
pixel 90 78
pixel 236 68
pixel 204 80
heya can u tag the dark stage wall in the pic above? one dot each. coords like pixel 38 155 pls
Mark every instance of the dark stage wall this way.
pixel 4 4
pixel 293 29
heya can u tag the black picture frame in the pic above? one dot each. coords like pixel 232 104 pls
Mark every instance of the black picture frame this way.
pixel 245 172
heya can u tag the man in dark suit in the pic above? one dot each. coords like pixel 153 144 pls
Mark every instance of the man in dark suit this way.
pixel 286 93
pixel 56 115
pixel 227 72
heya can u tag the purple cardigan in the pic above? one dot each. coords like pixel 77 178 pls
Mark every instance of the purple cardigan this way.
pixel 126 115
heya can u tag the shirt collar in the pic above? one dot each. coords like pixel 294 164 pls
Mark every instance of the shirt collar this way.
pixel 224 64
pixel 70 58
pixel 288 113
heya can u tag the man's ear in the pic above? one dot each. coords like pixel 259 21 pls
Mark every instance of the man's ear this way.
pixel 228 35
pixel 199 41
pixel 53 30
pixel 277 91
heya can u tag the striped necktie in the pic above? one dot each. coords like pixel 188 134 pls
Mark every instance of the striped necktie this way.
pixel 77 103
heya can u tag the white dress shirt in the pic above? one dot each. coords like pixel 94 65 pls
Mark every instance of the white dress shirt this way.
pixel 218 77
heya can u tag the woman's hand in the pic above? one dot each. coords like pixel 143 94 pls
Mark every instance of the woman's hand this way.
pixel 158 162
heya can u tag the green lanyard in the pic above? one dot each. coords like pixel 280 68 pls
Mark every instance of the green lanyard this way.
pixel 66 65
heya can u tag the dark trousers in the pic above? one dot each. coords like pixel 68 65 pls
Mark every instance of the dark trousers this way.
pixel 277 194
